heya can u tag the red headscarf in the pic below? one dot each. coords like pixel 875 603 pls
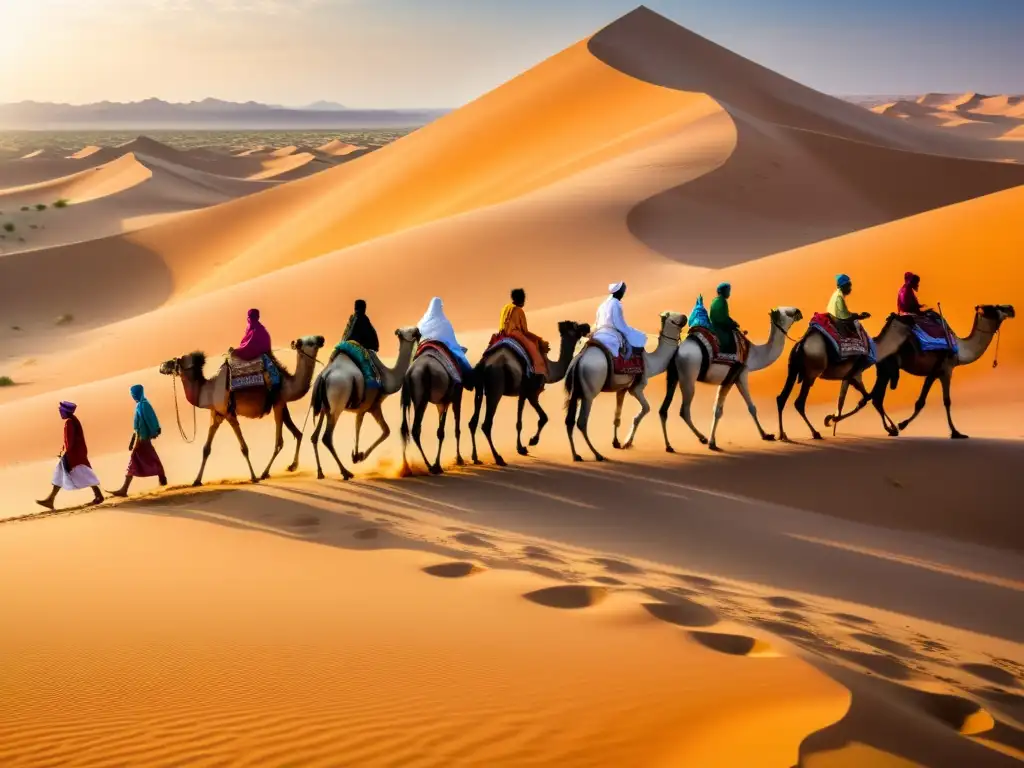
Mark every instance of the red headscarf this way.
pixel 256 341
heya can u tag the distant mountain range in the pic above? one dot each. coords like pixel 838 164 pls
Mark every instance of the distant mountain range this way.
pixel 208 113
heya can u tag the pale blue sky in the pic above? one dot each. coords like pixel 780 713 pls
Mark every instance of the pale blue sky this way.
pixel 441 53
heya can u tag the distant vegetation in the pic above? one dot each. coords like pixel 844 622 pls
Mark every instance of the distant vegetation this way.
pixel 6 381
pixel 65 319
pixel 9 227
pixel 40 206
pixel 24 208
pixel 62 203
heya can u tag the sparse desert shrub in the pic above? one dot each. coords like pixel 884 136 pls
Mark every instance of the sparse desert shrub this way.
pixel 65 319
pixel 40 206
pixel 6 381
pixel 9 226
pixel 24 208
pixel 62 203
pixel 15 327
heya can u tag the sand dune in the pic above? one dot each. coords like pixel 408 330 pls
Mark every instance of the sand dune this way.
pixel 820 605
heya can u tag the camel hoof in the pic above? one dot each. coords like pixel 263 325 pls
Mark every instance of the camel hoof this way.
pixel 291 467
pixel 577 458
pixel 477 463
pixel 347 476
pixel 903 425
pixel 616 445
pixel 459 461
pixel 669 449
pixel 715 448
pixel 500 461
pixel 255 480
pixel 522 451
pixel 534 442
pixel 628 446
pixel 893 432
pixel 958 436
pixel 829 419
pixel 768 438
pixel 265 476
pixel 320 475
pixel 357 458
pixel 197 484
pixel 703 440
pixel 436 470
pixel 599 457
pixel 817 436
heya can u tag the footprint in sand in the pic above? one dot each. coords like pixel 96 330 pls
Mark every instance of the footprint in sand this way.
pixel 784 602
pixel 888 645
pixel 569 596
pixel 786 630
pixel 886 666
pixel 735 645
pixel 617 566
pixel 472 540
pixel 683 613
pixel 792 616
pixel 609 581
pixel 455 570
pixel 992 674
pixel 539 553
pixel 850 618
pixel 366 534
pixel 696 581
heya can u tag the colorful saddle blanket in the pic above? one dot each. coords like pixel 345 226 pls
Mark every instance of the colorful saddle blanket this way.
pixel 622 366
pixel 843 346
pixel 261 372
pixel 443 355
pixel 708 340
pixel 932 335
pixel 500 341
pixel 359 355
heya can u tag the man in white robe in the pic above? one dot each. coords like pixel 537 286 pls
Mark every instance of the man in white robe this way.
pixel 435 326
pixel 611 329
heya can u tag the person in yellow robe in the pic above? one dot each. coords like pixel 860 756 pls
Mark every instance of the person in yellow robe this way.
pixel 513 324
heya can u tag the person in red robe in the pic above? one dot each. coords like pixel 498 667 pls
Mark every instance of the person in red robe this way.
pixel 907 302
pixel 256 341
pixel 73 471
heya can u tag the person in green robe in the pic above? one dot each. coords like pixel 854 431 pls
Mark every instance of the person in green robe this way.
pixel 724 326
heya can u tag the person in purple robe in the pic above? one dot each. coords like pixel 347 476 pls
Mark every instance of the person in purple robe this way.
pixel 256 341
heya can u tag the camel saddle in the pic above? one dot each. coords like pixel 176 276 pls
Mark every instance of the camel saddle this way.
pixel 711 349
pixel 244 374
pixel 443 355
pixel 504 341
pixel 932 334
pixel 846 340
pixel 364 359
pixel 621 366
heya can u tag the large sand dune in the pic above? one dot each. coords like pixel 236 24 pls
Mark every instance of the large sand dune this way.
pixel 823 606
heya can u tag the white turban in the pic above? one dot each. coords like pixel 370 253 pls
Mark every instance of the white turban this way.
pixel 615 287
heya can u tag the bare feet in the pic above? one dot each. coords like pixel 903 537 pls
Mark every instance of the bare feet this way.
pixel 48 503
pixel 120 493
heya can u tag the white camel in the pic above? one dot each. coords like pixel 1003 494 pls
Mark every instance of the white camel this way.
pixel 687 364
pixel 340 387
pixel 589 375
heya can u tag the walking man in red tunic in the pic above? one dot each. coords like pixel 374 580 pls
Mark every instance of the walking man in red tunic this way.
pixel 73 471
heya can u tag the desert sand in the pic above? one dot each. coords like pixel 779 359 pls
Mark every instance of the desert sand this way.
pixel 855 602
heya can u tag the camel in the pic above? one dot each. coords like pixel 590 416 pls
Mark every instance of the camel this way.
pixel 428 382
pixel 502 374
pixel 589 375
pixel 932 366
pixel 686 369
pixel 809 361
pixel 340 387
pixel 214 396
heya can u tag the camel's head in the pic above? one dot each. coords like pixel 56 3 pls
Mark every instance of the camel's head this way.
pixel 672 324
pixel 309 344
pixel 568 329
pixel 996 313
pixel 785 318
pixel 408 335
pixel 183 366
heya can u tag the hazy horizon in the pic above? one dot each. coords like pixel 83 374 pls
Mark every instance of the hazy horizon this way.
pixel 397 54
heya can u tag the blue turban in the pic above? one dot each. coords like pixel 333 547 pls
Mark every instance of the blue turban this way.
pixel 842 280
pixel 145 423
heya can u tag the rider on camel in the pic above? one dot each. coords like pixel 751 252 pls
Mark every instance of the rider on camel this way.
pixel 724 326
pixel 612 332
pixel 513 324
pixel 846 321
pixel 907 302
pixel 360 329
pixel 256 341
pixel 435 327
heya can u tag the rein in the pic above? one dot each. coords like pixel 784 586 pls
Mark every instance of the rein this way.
pixel 177 414
pixel 780 330
pixel 995 360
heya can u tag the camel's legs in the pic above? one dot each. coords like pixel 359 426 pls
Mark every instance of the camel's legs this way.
pixel 478 399
pixel 843 389
pixel 780 401
pixel 645 408
pixel 298 438
pixel 670 392
pixel 887 424
pixel 571 407
pixel 620 398
pixel 542 418
pixel 417 429
pixel 520 448
pixel 946 379
pixel 332 421
pixel 359 428
pixel 215 419
pixel 385 431
pixel 801 403
pixel 442 417
pixel 919 405
pixel 457 415
pixel 315 439
pixel 743 385
pixel 585 405
pixel 279 437
pixel 688 387
pixel 493 398
pixel 233 421
pixel 720 396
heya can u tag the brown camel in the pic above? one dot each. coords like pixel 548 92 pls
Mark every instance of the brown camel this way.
pixel 502 374
pixel 214 396
pixel 809 361
pixel 428 382
pixel 933 366
pixel 340 387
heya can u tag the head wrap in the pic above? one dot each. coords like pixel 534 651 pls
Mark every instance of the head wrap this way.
pixel 909 277
pixel 66 409
pixel 256 340
pixel 254 314
pixel 723 287
pixel 842 280
pixel 360 306
pixel 137 392
pixel 616 287
pixel 145 422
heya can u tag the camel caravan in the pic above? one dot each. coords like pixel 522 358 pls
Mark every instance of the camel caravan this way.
pixel 432 368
